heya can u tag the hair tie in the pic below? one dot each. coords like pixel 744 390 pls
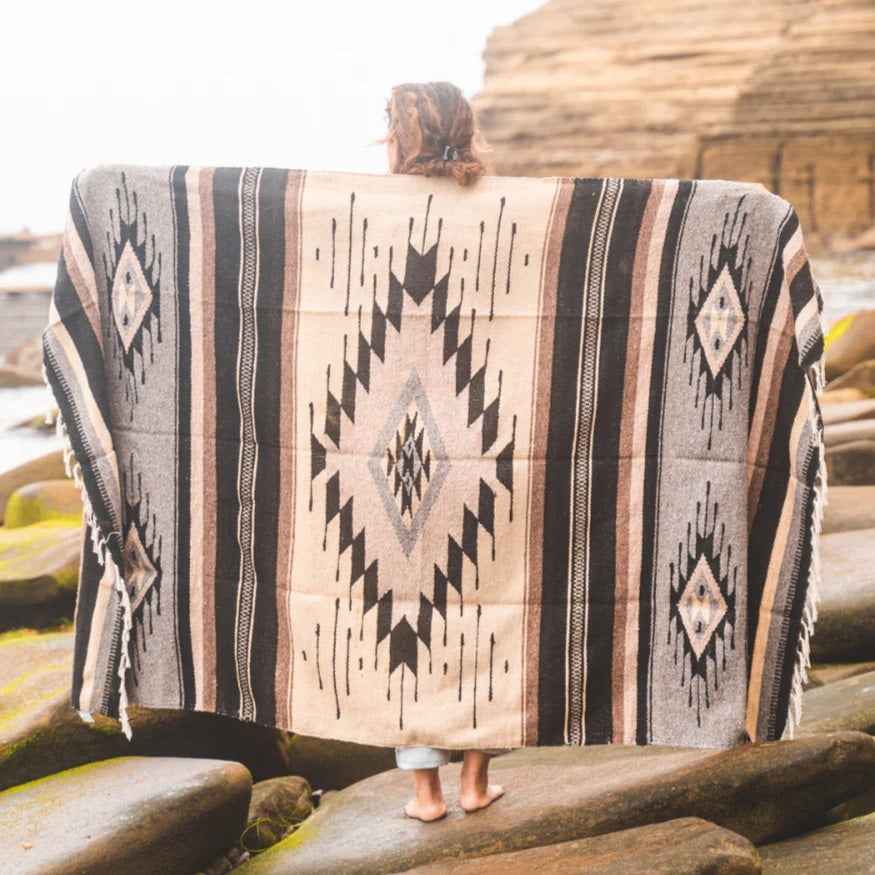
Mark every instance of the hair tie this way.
pixel 448 156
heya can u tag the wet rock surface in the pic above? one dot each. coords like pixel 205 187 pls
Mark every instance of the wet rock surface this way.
pixel 686 846
pixel 131 815
pixel 760 791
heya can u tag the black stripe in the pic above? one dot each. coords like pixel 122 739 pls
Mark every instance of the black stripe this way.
pixel 558 473
pixel 603 477
pixel 268 514
pixel 80 221
pixel 226 328
pixel 183 438
pixel 656 398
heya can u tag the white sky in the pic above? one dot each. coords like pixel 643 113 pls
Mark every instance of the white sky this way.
pixel 248 83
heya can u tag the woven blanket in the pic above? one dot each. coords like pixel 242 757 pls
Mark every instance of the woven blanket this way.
pixel 388 460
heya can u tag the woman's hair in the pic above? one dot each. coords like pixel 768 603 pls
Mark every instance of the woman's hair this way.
pixel 433 128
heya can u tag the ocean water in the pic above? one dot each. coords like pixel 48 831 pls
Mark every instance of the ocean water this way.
pixel 847 283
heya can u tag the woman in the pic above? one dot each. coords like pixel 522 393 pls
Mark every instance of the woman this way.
pixel 432 133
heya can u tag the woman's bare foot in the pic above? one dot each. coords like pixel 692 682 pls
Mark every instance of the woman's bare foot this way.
pixel 428 800
pixel 475 791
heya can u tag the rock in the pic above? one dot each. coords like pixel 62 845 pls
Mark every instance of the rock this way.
pixel 847 847
pixel 131 815
pixel 851 464
pixel 41 734
pixel 849 508
pixel 47 467
pixel 39 571
pixel 820 674
pixel 775 93
pixel 837 433
pixel 27 355
pixel 860 377
pixel 848 411
pixel 761 791
pixel 851 341
pixel 845 626
pixel 45 500
pixel 277 806
pixel 329 764
pixel 686 845
pixel 12 377
pixel 837 396
pixel 844 704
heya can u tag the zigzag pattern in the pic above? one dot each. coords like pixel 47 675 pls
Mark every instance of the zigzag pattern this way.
pixel 419 281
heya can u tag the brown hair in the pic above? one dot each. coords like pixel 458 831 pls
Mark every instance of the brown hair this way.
pixel 433 128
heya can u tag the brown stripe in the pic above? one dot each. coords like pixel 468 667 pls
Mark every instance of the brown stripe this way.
pixel 538 453
pixel 763 425
pixel 208 316
pixel 624 465
pixel 288 426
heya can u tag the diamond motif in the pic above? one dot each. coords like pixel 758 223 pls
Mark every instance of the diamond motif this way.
pixel 131 295
pixel 140 572
pixel 408 462
pixel 701 607
pixel 719 321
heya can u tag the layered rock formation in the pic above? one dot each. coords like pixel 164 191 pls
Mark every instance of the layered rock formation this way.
pixel 779 93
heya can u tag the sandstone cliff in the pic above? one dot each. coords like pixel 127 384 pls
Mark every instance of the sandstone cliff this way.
pixel 780 92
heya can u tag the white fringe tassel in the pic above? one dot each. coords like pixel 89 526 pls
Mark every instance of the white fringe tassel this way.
pixel 101 550
pixel 812 598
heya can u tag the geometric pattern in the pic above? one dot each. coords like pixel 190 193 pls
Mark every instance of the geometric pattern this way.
pixel 408 463
pixel 142 557
pixel 717 319
pixel 416 464
pixel 702 603
pixel 133 281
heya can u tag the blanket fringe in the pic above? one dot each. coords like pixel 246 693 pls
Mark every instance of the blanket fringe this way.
pixel 812 598
pixel 100 548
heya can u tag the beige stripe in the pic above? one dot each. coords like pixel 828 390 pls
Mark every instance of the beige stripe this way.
pixel 806 314
pixel 105 589
pixel 288 426
pixel 541 380
pixel 82 390
pixel 621 655
pixel 196 507
pixel 639 448
pixel 82 276
pixel 759 661
pixel 208 431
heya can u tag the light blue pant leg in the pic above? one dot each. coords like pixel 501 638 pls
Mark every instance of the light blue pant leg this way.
pixel 421 757
pixel 424 757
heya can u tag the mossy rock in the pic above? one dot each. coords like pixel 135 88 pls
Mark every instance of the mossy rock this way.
pixel 44 500
pixel 39 572
pixel 47 467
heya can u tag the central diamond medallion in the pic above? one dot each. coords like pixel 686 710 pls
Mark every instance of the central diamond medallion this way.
pixel 409 463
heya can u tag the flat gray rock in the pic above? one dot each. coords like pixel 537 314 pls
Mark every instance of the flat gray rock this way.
pixel 845 626
pixel 852 463
pixel 827 672
pixel 686 846
pixel 845 432
pixel 844 704
pixel 846 411
pixel 849 508
pixel 132 815
pixel 760 791
pixel 847 848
